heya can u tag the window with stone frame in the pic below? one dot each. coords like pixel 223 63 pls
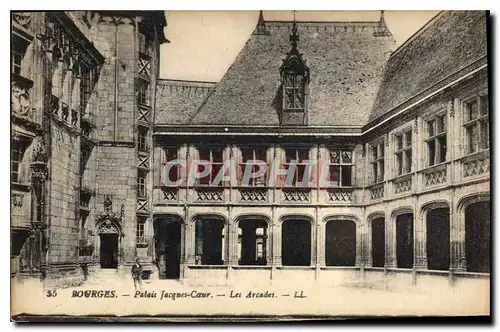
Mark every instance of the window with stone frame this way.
pixel 18 51
pixel 435 131
pixel 294 85
pixel 142 135
pixel 141 184
pixel 476 123
pixel 142 92
pixel 18 149
pixel 300 158
pixel 169 155
pixel 213 159
pixel 249 158
pixel 294 74
pixel 340 167
pixel 377 161
pixel 85 86
pixel 84 158
pixel 403 152
pixel 140 230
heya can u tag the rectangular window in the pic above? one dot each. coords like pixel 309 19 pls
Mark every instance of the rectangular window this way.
pixel 142 93
pixel 436 139
pixel 402 154
pixel 85 87
pixel 18 149
pixel 140 231
pixel 294 92
pixel 84 157
pixel 213 159
pixel 170 154
pixel 378 161
pixel 18 50
pixel 142 138
pixel 477 124
pixel 340 167
pixel 299 158
pixel 249 157
pixel 141 184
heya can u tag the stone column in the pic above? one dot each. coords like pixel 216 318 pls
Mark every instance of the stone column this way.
pixel 457 240
pixel 420 241
pixel 190 242
pixel 390 242
pixel 367 243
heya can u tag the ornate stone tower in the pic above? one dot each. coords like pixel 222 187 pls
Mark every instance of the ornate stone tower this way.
pixel 82 102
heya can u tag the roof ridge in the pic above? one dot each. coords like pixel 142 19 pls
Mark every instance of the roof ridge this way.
pixel 369 23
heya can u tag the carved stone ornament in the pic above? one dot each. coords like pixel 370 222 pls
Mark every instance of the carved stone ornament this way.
pixel 21 104
pixel 23 19
pixel 108 228
pixel 39 150
pixel 17 200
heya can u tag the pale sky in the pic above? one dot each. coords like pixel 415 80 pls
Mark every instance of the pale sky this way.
pixel 203 44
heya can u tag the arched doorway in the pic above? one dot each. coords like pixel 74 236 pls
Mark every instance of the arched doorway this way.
pixel 404 240
pixel 340 243
pixel 378 242
pixel 210 240
pixel 167 230
pixel 296 242
pixel 477 237
pixel 109 237
pixel 252 242
pixel 438 238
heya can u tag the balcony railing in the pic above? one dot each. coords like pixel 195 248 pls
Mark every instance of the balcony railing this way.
pixel 476 164
pixel 253 195
pixel 210 194
pixel 402 184
pixel 435 175
pixel 376 191
pixel 296 195
pixel 340 195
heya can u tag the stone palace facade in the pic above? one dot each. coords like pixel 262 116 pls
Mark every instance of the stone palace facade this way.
pixel 404 133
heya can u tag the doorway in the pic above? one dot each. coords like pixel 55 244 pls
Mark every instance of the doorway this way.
pixel 109 251
pixel 296 242
pixel 173 250
pixel 404 240
pixel 340 244
pixel 167 232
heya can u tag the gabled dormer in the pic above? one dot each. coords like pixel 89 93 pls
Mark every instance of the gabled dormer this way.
pixel 294 83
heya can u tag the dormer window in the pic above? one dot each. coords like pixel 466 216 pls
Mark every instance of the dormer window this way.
pixel 294 79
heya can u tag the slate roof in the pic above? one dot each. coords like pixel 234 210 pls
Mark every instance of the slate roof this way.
pixel 345 59
pixel 449 42
pixel 177 101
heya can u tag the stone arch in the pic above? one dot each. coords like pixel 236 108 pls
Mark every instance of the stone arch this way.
pixel 466 200
pixel 109 242
pixel 208 215
pixel 168 245
pixel 402 238
pixel 251 238
pixel 289 216
pixel 242 216
pixel 211 238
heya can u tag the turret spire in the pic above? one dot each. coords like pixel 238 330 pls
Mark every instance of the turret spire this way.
pixel 382 30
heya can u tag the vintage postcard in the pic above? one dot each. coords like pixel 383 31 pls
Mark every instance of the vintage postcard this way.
pixel 245 165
